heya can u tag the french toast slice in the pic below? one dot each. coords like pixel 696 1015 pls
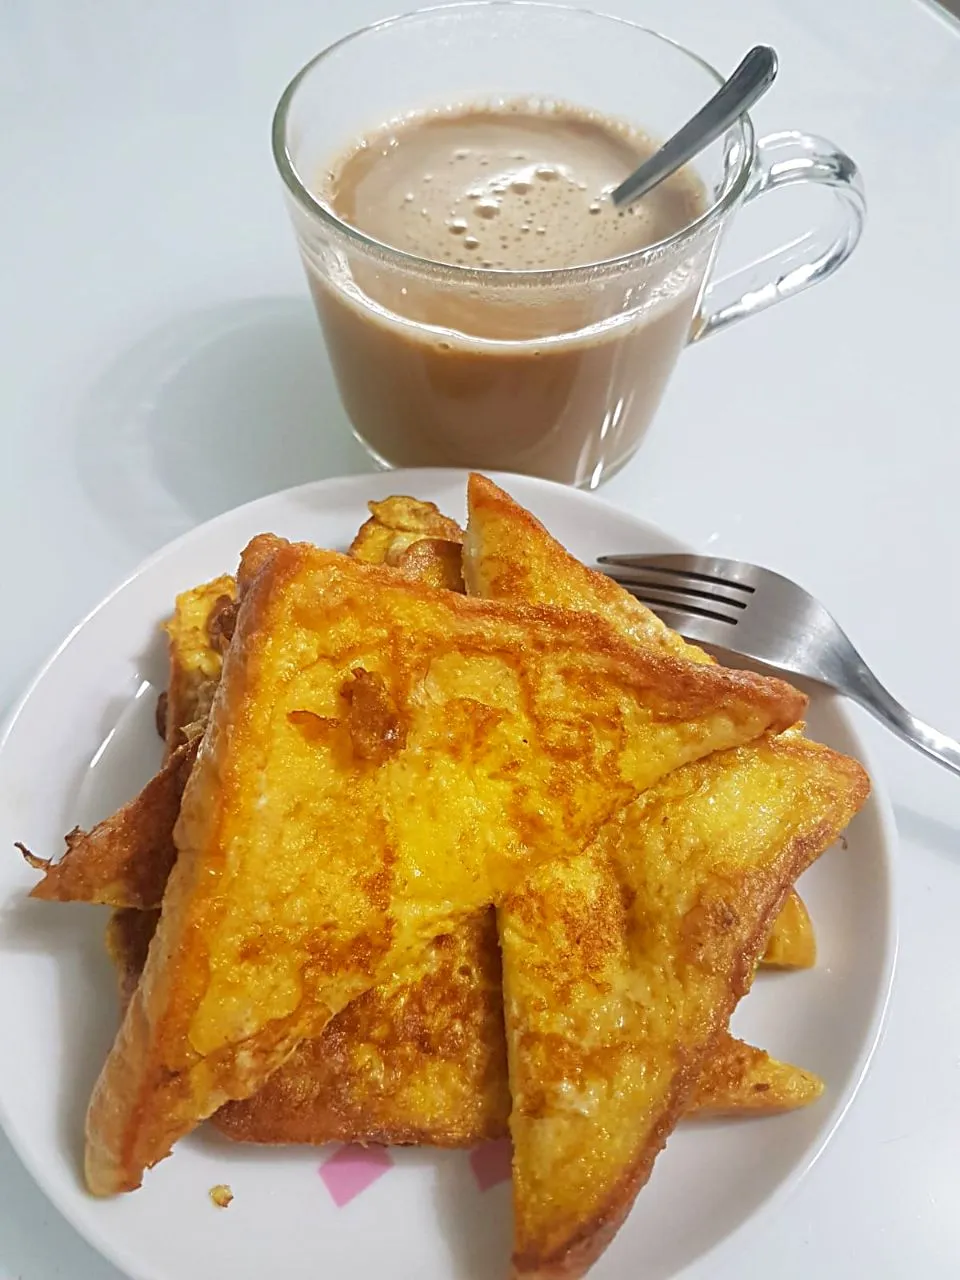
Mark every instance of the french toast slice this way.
pixel 622 967
pixel 509 555
pixel 365 729
pixel 422 1060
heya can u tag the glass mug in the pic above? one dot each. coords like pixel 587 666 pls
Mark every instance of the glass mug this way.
pixel 552 372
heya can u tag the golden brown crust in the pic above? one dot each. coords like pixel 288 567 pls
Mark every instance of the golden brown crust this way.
pixel 419 1061
pixel 509 555
pixel 126 859
pixel 564 703
pixel 257 556
pixel 433 561
pixel 738 1079
pixel 129 934
pixel 704 882
pixel 671 690
pixel 397 523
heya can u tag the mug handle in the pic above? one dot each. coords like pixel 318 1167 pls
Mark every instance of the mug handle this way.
pixel 782 159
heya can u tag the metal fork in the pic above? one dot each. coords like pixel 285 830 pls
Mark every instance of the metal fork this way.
pixel 744 609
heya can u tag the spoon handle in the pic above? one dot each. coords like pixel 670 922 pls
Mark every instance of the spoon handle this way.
pixel 751 79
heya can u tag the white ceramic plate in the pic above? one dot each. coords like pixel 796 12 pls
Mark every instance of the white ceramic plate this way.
pixel 82 741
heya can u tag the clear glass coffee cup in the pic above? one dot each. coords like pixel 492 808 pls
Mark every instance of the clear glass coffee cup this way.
pixel 554 371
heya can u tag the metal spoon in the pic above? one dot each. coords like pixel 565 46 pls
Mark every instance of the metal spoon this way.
pixel 750 81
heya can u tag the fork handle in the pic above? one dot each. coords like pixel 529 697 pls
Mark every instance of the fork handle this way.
pixel 870 693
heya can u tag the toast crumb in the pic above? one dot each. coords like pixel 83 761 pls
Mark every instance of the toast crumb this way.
pixel 221 1195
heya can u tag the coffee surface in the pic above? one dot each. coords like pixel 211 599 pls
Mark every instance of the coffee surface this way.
pixel 555 375
pixel 523 186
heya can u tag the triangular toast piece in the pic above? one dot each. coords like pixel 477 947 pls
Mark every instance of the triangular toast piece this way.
pixel 382 759
pixel 622 967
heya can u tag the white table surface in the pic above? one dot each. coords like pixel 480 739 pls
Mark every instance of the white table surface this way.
pixel 159 363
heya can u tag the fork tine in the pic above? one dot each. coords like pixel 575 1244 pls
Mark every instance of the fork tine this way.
pixel 686 586
pixel 691 627
pixel 659 595
pixel 714 570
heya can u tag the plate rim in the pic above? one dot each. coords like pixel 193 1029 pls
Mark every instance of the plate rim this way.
pixel 879 797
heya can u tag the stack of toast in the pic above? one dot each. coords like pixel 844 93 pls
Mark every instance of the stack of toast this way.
pixel 452 839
